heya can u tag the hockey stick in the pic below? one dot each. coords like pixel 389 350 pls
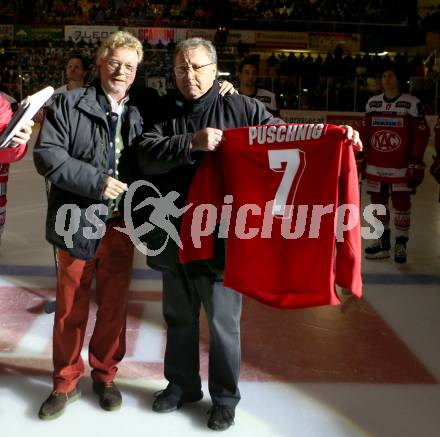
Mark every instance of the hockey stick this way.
pixel 50 306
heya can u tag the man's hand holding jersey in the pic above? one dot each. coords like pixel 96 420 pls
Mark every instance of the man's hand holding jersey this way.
pixel 353 135
pixel 206 140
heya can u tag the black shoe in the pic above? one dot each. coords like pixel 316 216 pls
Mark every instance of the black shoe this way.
pixel 221 417
pixel 110 398
pixel 166 401
pixel 56 403
pixel 381 248
pixel 400 250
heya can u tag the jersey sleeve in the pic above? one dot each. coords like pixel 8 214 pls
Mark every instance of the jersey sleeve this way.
pixel 5 113
pixel 12 154
pixel 205 197
pixel 416 109
pixel 437 136
pixel 364 132
pixel 9 154
pixel 419 137
pixel 348 250
pixel 369 104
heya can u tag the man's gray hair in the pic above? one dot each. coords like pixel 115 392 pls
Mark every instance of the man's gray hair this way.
pixel 195 43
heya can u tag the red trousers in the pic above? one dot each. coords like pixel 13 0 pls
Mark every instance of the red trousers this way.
pixel 112 267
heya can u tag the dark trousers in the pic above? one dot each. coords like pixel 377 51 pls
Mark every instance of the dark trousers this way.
pixel 182 298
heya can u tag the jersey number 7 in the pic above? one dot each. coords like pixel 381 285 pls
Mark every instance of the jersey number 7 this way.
pixel 293 171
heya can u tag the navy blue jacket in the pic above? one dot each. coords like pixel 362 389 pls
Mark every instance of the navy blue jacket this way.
pixel 75 152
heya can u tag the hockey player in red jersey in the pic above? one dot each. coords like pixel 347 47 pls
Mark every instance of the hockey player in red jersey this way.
pixel 395 135
pixel 12 153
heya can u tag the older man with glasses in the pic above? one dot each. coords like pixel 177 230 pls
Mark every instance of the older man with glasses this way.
pixel 84 150
pixel 169 154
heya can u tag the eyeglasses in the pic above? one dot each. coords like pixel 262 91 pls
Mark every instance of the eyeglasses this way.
pixel 114 65
pixel 184 69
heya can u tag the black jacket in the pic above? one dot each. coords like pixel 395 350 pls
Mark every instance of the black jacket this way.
pixel 164 155
pixel 74 152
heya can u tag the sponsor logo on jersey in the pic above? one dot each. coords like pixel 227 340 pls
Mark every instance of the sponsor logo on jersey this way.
pixel 385 141
pixel 375 104
pixel 403 104
pixel 387 121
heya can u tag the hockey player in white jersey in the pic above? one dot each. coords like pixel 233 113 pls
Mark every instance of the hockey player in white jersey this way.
pixel 248 75
pixel 76 72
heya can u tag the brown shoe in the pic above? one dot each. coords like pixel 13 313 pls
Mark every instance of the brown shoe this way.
pixel 110 397
pixel 56 403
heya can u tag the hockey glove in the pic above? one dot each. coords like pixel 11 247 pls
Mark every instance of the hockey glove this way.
pixel 415 173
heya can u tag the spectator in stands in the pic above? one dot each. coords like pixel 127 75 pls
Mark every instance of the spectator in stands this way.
pixel 248 75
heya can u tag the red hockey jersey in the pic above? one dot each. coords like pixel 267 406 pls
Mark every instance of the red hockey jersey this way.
pixel 281 195
pixel 393 133
pixel 9 154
